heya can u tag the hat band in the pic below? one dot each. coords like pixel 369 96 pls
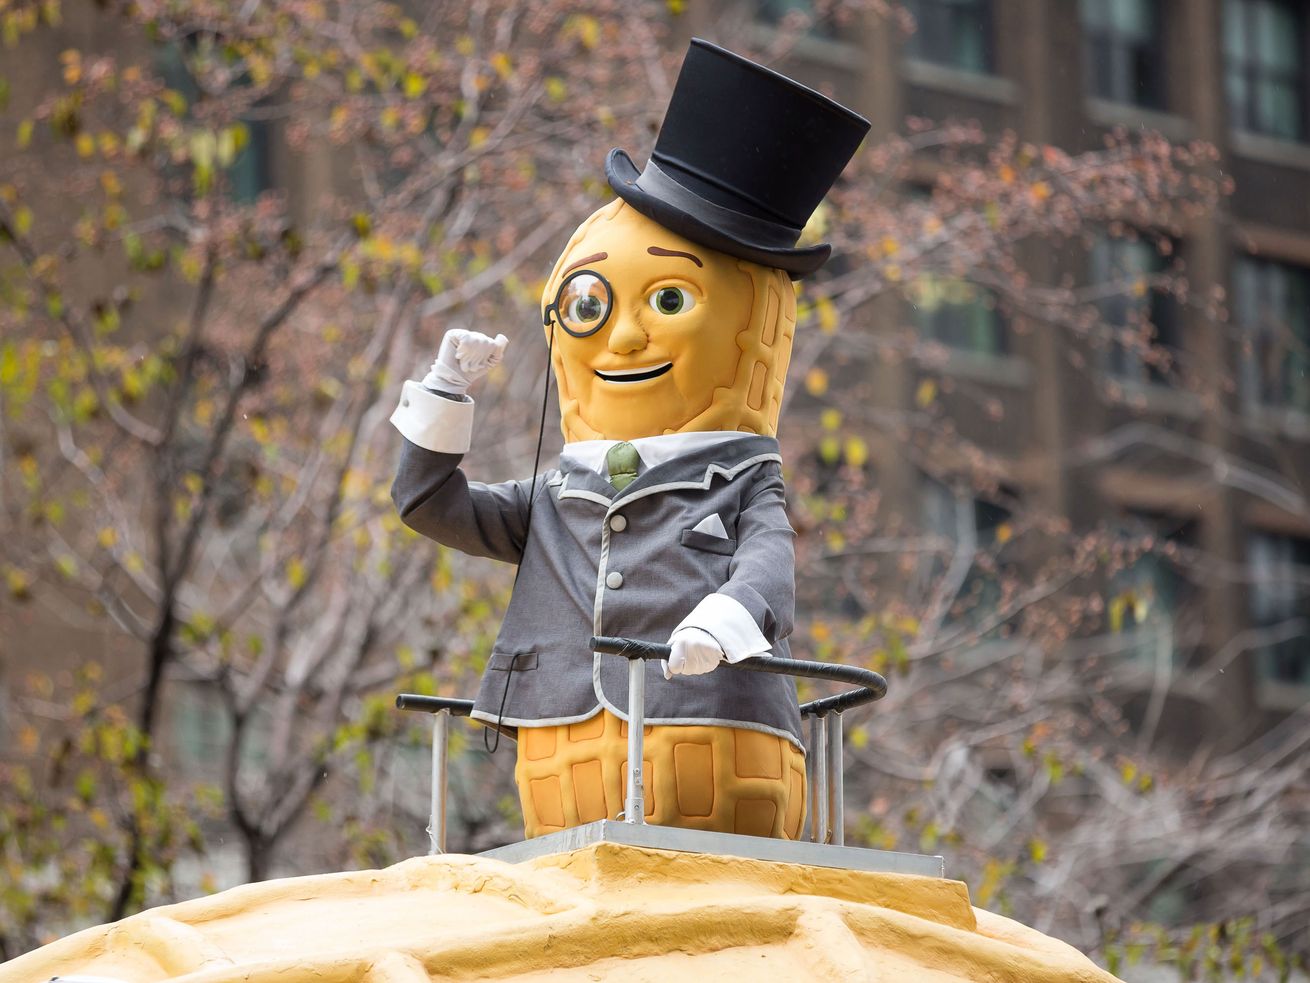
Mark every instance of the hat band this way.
pixel 655 182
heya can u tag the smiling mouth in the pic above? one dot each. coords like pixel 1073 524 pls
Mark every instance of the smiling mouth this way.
pixel 634 375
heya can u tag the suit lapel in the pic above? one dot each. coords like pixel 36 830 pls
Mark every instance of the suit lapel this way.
pixel 582 482
pixel 698 467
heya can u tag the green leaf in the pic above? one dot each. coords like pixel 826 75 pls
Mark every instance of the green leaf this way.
pixel 1054 768
pixel 899 654
pixel 226 147
pixel 175 101
pixel 8 364
pixel 18 583
pixel 349 274
pixel 414 85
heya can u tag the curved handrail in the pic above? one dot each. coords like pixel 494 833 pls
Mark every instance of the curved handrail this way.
pixel 452 705
pixel 872 685
pixel 434 704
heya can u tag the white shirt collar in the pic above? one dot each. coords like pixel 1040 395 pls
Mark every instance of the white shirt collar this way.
pixel 653 451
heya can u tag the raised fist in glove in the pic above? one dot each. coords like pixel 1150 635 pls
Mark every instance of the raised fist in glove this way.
pixel 694 652
pixel 464 357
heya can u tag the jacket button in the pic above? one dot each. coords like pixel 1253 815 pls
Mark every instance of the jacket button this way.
pixel 614 580
pixel 618 523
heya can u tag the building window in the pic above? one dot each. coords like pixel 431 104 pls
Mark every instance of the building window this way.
pixel 200 729
pixel 955 33
pixel 957 314
pixel 250 173
pixel 1280 604
pixel 1264 51
pixel 1141 315
pixel 960 522
pixel 776 13
pixel 1122 41
pixel 1271 302
pixel 1152 600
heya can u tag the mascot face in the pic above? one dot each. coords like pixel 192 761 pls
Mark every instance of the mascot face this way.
pixel 655 334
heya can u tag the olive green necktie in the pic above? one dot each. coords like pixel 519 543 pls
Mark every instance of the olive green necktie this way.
pixel 622 461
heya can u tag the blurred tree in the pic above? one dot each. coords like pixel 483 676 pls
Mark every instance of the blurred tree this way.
pixel 195 376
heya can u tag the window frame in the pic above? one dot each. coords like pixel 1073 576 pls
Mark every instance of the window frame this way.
pixel 1297 603
pixel 1249 278
pixel 251 172
pixel 931 325
pixel 821 28
pixel 975 600
pixel 1173 594
pixel 942 9
pixel 1121 47
pixel 927 324
pixel 1244 113
pixel 1119 363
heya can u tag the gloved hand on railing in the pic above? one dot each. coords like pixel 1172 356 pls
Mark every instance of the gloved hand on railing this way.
pixel 695 652
pixel 718 628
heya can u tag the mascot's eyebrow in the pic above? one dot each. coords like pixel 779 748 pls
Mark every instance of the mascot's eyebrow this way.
pixel 660 251
pixel 593 258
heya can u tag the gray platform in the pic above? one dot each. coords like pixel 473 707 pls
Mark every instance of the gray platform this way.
pixel 723 844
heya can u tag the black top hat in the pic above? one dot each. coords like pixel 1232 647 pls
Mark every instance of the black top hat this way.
pixel 744 157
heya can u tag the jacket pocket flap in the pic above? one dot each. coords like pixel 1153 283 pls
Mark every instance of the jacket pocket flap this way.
pixel 711 544
pixel 520 661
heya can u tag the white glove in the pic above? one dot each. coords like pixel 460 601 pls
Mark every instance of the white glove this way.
pixel 464 358
pixel 694 652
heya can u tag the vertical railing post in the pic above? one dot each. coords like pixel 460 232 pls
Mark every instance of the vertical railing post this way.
pixel 836 781
pixel 812 785
pixel 437 814
pixel 634 806
pixel 820 828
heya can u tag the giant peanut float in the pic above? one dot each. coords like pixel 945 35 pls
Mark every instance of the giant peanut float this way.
pixel 669 317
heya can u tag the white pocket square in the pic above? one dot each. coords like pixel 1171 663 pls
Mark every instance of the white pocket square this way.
pixel 711 525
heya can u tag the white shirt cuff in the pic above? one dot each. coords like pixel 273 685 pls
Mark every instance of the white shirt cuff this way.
pixel 730 624
pixel 435 423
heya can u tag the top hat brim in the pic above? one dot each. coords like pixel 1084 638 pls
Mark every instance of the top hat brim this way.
pixel 679 217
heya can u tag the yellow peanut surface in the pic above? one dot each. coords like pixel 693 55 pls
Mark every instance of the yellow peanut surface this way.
pixel 605 912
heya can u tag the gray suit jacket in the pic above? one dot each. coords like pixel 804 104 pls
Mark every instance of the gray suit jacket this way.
pixel 566 589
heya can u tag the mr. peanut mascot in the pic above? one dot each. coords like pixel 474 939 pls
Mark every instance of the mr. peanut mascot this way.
pixel 670 316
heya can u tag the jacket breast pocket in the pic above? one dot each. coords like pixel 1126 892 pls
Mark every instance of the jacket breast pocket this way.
pixel 710 544
pixel 518 661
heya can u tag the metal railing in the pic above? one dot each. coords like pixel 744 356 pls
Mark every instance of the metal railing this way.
pixel 827 791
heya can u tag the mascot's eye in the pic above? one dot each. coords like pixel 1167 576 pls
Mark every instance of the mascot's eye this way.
pixel 582 304
pixel 671 300
pixel 586 309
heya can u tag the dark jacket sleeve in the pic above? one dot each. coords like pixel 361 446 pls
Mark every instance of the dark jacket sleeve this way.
pixel 762 576
pixel 435 499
